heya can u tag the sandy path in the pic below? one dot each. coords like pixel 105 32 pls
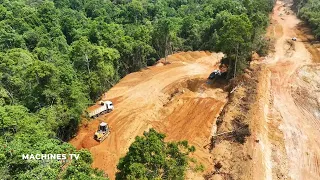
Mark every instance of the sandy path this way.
pixel 172 98
pixel 300 126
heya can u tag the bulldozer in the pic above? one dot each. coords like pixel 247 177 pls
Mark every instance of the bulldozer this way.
pixel 102 133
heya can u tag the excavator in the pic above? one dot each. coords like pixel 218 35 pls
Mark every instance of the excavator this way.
pixel 216 73
pixel 102 133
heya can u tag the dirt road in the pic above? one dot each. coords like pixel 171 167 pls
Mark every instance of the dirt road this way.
pixel 295 101
pixel 173 99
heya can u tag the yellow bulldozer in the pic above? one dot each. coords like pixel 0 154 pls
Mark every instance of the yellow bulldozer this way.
pixel 102 133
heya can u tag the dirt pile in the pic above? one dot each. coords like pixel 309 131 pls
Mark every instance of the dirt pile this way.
pixel 171 97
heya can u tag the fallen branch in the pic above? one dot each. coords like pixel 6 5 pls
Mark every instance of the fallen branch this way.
pixel 235 88
pixel 220 134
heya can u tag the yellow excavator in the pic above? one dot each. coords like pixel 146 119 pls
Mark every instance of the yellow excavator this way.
pixel 102 133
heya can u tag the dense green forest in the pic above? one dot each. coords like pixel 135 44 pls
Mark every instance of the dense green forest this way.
pixel 309 10
pixel 58 56
pixel 149 157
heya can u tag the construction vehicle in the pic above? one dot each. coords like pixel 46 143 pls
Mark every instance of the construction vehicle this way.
pixel 102 133
pixel 214 74
pixel 218 72
pixel 101 108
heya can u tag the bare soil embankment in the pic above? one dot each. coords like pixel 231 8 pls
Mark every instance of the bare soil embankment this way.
pixel 242 155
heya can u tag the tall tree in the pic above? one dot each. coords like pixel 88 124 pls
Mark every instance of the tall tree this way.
pixel 149 157
pixel 235 40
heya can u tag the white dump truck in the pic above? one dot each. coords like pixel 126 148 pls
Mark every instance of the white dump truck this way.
pixel 100 108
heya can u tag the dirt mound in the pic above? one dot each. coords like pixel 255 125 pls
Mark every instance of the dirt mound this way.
pixel 195 84
pixel 84 139
pixel 88 141
pixel 173 98
pixel 190 84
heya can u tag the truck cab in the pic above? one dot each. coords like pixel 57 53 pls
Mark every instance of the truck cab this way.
pixel 108 104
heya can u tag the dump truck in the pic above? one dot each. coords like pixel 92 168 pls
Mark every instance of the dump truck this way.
pixel 102 133
pixel 100 108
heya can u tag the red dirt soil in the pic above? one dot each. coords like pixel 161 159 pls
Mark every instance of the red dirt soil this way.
pixel 173 98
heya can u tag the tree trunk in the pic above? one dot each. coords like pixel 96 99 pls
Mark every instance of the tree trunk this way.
pixel 11 96
pixel 166 49
pixel 88 63
pixel 229 68
pixel 235 64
